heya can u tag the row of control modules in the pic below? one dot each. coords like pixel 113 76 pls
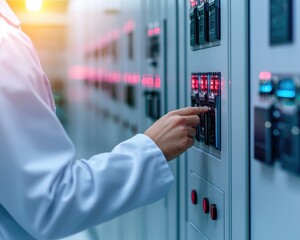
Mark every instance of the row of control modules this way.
pixel 205 23
pixel 206 91
pixel 277 122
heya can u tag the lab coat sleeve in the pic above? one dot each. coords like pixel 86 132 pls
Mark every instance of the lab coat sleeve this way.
pixel 47 191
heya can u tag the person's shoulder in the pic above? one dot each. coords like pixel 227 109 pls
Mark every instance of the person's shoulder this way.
pixel 10 33
pixel 18 59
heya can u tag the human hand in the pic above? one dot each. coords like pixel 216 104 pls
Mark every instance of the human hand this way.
pixel 174 132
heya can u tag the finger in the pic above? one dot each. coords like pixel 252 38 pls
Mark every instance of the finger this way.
pixel 192 132
pixel 191 111
pixel 193 120
pixel 191 142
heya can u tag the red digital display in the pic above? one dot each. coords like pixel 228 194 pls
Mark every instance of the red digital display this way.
pixel 195 82
pixel 214 84
pixel 204 83
pixel 157 82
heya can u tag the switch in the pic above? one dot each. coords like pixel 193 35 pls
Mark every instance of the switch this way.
pixel 214 21
pixel 213 132
pixel 281 22
pixel 203 19
pixel 213 212
pixel 203 102
pixel 195 100
pixel 148 103
pixel 218 123
pixel 289 153
pixel 156 105
pixel 194 197
pixel 195 90
pixel 198 130
pixel 194 36
pixel 205 205
pixel 207 118
pixel 263 139
pixel 130 96
pixel 152 102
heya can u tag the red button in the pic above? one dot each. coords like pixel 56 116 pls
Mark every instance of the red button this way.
pixel 205 205
pixel 213 212
pixel 194 197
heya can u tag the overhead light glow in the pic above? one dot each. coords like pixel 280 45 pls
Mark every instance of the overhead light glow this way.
pixel 34 5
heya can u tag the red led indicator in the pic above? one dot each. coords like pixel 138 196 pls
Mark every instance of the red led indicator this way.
pixel 156 30
pixel 193 3
pixel 150 32
pixel 265 76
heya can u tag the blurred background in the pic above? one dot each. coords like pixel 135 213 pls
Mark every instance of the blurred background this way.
pixel 46 23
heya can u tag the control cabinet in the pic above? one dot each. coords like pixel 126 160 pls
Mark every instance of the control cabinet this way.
pixel 159 86
pixel 216 77
pixel 274 83
pixel 207 78
pixel 152 80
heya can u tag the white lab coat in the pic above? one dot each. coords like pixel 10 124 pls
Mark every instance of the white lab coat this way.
pixel 44 192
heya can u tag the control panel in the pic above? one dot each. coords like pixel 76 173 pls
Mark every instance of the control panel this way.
pixel 215 77
pixel 207 202
pixel 206 91
pixel 205 23
pixel 277 125
pixel 152 80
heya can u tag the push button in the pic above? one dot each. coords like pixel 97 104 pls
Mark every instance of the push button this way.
pixel 194 197
pixel 205 205
pixel 213 212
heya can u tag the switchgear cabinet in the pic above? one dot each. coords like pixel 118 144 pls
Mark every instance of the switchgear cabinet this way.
pixel 216 73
